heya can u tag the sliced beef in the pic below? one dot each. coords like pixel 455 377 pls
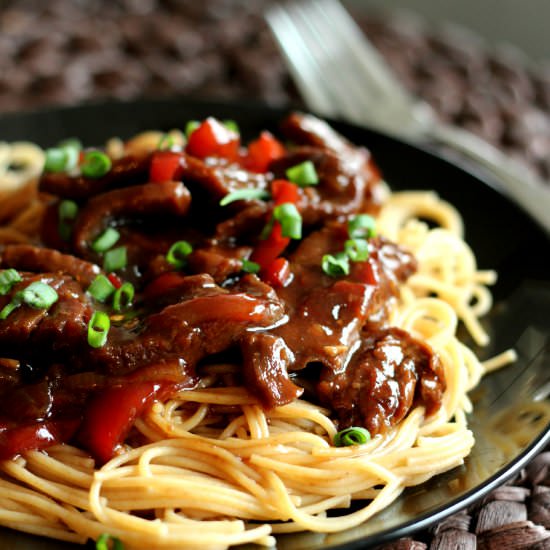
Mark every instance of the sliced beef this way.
pixel 391 372
pixel 25 257
pixel 47 334
pixel 342 190
pixel 265 369
pixel 327 314
pixel 126 171
pixel 167 198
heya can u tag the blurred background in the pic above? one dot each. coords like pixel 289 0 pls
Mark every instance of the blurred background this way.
pixel 483 65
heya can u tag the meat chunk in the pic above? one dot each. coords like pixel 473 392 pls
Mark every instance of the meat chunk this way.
pixel 126 171
pixel 25 257
pixel 390 373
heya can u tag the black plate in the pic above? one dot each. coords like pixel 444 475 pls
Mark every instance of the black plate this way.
pixel 502 236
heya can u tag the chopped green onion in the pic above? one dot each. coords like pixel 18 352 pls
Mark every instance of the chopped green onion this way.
pixel 335 265
pixel 232 126
pixel 250 267
pixel 101 288
pixel 289 217
pixel 362 226
pixel 165 142
pixel 351 436
pixel 56 160
pixel 177 255
pixel 96 164
pixel 303 174
pixel 66 213
pixel 115 259
pixel 38 295
pixel 190 127
pixel 72 148
pixel 357 249
pixel 8 278
pixel 106 240
pixel 8 308
pixel 123 297
pixel 246 195
pixel 102 542
pixel 67 210
pixel 98 329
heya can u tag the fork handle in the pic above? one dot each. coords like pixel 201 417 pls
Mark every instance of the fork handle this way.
pixel 509 176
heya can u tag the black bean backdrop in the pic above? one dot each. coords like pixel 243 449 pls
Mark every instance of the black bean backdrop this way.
pixel 64 52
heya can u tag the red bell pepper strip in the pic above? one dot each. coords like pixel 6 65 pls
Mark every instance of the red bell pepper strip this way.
pixel 213 139
pixel 115 280
pixel 284 191
pixel 277 274
pixel 262 152
pixel 270 248
pixel 14 441
pixel 165 166
pixel 110 415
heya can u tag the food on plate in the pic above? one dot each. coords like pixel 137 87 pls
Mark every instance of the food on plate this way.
pixel 205 343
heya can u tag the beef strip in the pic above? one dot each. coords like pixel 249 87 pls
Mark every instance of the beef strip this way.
pixel 126 171
pixel 34 258
pixel 387 375
pixel 167 198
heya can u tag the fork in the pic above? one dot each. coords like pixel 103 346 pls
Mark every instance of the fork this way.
pixel 340 74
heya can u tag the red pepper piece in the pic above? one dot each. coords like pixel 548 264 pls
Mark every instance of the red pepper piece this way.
pixel 111 413
pixel 213 139
pixel 284 191
pixel 115 280
pixel 268 249
pixel 262 152
pixel 277 274
pixel 14 441
pixel 165 166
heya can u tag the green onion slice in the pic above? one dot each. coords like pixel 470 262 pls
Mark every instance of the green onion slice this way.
pixel 106 240
pixel 303 174
pixel 57 159
pixel 115 259
pixel 8 278
pixel 8 308
pixel 72 148
pixel 335 265
pixel 351 436
pixel 66 213
pixel 96 164
pixel 67 210
pixel 177 255
pixel 123 297
pixel 357 249
pixel 232 126
pixel 98 329
pixel 38 295
pixel 190 127
pixel 166 142
pixel 250 267
pixel 289 217
pixel 362 226
pixel 102 542
pixel 101 288
pixel 245 195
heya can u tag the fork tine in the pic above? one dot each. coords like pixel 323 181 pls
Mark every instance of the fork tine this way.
pixel 299 60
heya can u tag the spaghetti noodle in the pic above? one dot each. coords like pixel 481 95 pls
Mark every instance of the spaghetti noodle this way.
pixel 211 466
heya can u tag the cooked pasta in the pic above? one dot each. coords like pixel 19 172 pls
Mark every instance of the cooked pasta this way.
pixel 212 467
